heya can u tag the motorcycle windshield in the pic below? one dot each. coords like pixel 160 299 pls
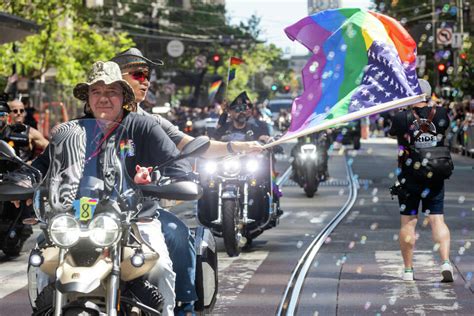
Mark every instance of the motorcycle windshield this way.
pixel 86 170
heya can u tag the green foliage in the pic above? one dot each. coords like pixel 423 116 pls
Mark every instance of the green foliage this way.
pixel 67 41
pixel 259 60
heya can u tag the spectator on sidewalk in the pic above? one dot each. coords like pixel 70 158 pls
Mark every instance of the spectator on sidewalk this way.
pixel 421 127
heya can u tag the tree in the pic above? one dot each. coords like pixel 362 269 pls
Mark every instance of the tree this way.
pixel 68 41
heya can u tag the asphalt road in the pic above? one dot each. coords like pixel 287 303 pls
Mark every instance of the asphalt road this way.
pixel 356 272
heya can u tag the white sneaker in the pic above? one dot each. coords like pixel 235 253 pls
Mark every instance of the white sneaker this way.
pixel 447 272
pixel 408 275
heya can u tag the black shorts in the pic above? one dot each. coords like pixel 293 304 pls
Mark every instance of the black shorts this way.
pixel 432 199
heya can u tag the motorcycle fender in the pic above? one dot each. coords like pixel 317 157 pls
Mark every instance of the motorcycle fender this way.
pixel 229 192
pixel 82 279
pixel 206 269
pixel 50 260
pixel 128 271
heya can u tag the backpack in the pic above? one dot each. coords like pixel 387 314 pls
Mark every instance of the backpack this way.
pixel 431 163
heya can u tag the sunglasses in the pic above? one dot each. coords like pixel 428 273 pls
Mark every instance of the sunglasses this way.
pixel 239 108
pixel 139 75
pixel 18 111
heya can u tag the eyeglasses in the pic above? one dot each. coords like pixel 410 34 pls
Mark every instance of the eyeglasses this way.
pixel 139 75
pixel 18 111
pixel 239 108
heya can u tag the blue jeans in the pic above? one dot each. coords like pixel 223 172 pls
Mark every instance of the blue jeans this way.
pixel 180 245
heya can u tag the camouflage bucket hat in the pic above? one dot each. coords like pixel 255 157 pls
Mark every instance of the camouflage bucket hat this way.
pixel 108 72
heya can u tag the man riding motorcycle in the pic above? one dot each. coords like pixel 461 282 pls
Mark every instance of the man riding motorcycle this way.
pixel 136 71
pixel 107 97
pixel 238 128
pixel 323 141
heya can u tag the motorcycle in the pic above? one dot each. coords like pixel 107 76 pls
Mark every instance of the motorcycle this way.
pixel 13 233
pixel 239 201
pixel 308 166
pixel 91 214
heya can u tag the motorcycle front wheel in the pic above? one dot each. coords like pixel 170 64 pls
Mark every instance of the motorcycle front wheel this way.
pixel 230 220
pixel 312 182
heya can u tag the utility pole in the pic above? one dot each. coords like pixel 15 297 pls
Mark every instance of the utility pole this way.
pixel 433 27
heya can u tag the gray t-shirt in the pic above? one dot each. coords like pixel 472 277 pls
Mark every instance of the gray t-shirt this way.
pixel 171 130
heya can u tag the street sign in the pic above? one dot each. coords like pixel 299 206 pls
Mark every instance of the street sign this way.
pixel 458 39
pixel 175 48
pixel 444 36
pixel 267 81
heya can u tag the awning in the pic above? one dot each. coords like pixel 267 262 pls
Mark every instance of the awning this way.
pixel 14 28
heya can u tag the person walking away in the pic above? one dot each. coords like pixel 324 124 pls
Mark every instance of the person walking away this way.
pixel 420 133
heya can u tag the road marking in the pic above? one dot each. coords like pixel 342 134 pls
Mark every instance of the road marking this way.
pixel 352 216
pixel 427 274
pixel 13 276
pixel 319 219
pixel 231 283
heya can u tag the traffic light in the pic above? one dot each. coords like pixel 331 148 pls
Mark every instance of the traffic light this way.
pixel 442 75
pixel 286 89
pixel 216 58
pixel 463 56
pixel 274 87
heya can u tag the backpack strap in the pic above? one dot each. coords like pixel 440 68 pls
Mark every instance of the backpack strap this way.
pixel 424 126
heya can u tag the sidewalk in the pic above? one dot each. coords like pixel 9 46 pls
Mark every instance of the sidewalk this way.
pixel 358 270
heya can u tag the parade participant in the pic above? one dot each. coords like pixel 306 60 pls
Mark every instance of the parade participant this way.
pixel 422 127
pixel 108 97
pixel 239 128
pixel 136 70
pixel 27 141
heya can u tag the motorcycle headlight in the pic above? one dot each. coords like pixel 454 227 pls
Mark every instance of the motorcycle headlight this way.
pixel 232 167
pixel 308 151
pixel 64 230
pixel 104 230
pixel 210 167
pixel 252 165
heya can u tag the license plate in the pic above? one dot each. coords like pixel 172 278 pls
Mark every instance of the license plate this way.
pixel 85 208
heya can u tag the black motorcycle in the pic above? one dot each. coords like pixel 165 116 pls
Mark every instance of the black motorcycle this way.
pixel 13 233
pixel 238 201
pixel 309 167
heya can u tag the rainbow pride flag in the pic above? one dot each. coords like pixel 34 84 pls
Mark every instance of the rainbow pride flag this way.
pixel 213 89
pixel 234 64
pixel 359 59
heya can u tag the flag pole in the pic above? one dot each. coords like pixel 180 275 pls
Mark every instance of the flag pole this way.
pixel 387 106
pixel 227 81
